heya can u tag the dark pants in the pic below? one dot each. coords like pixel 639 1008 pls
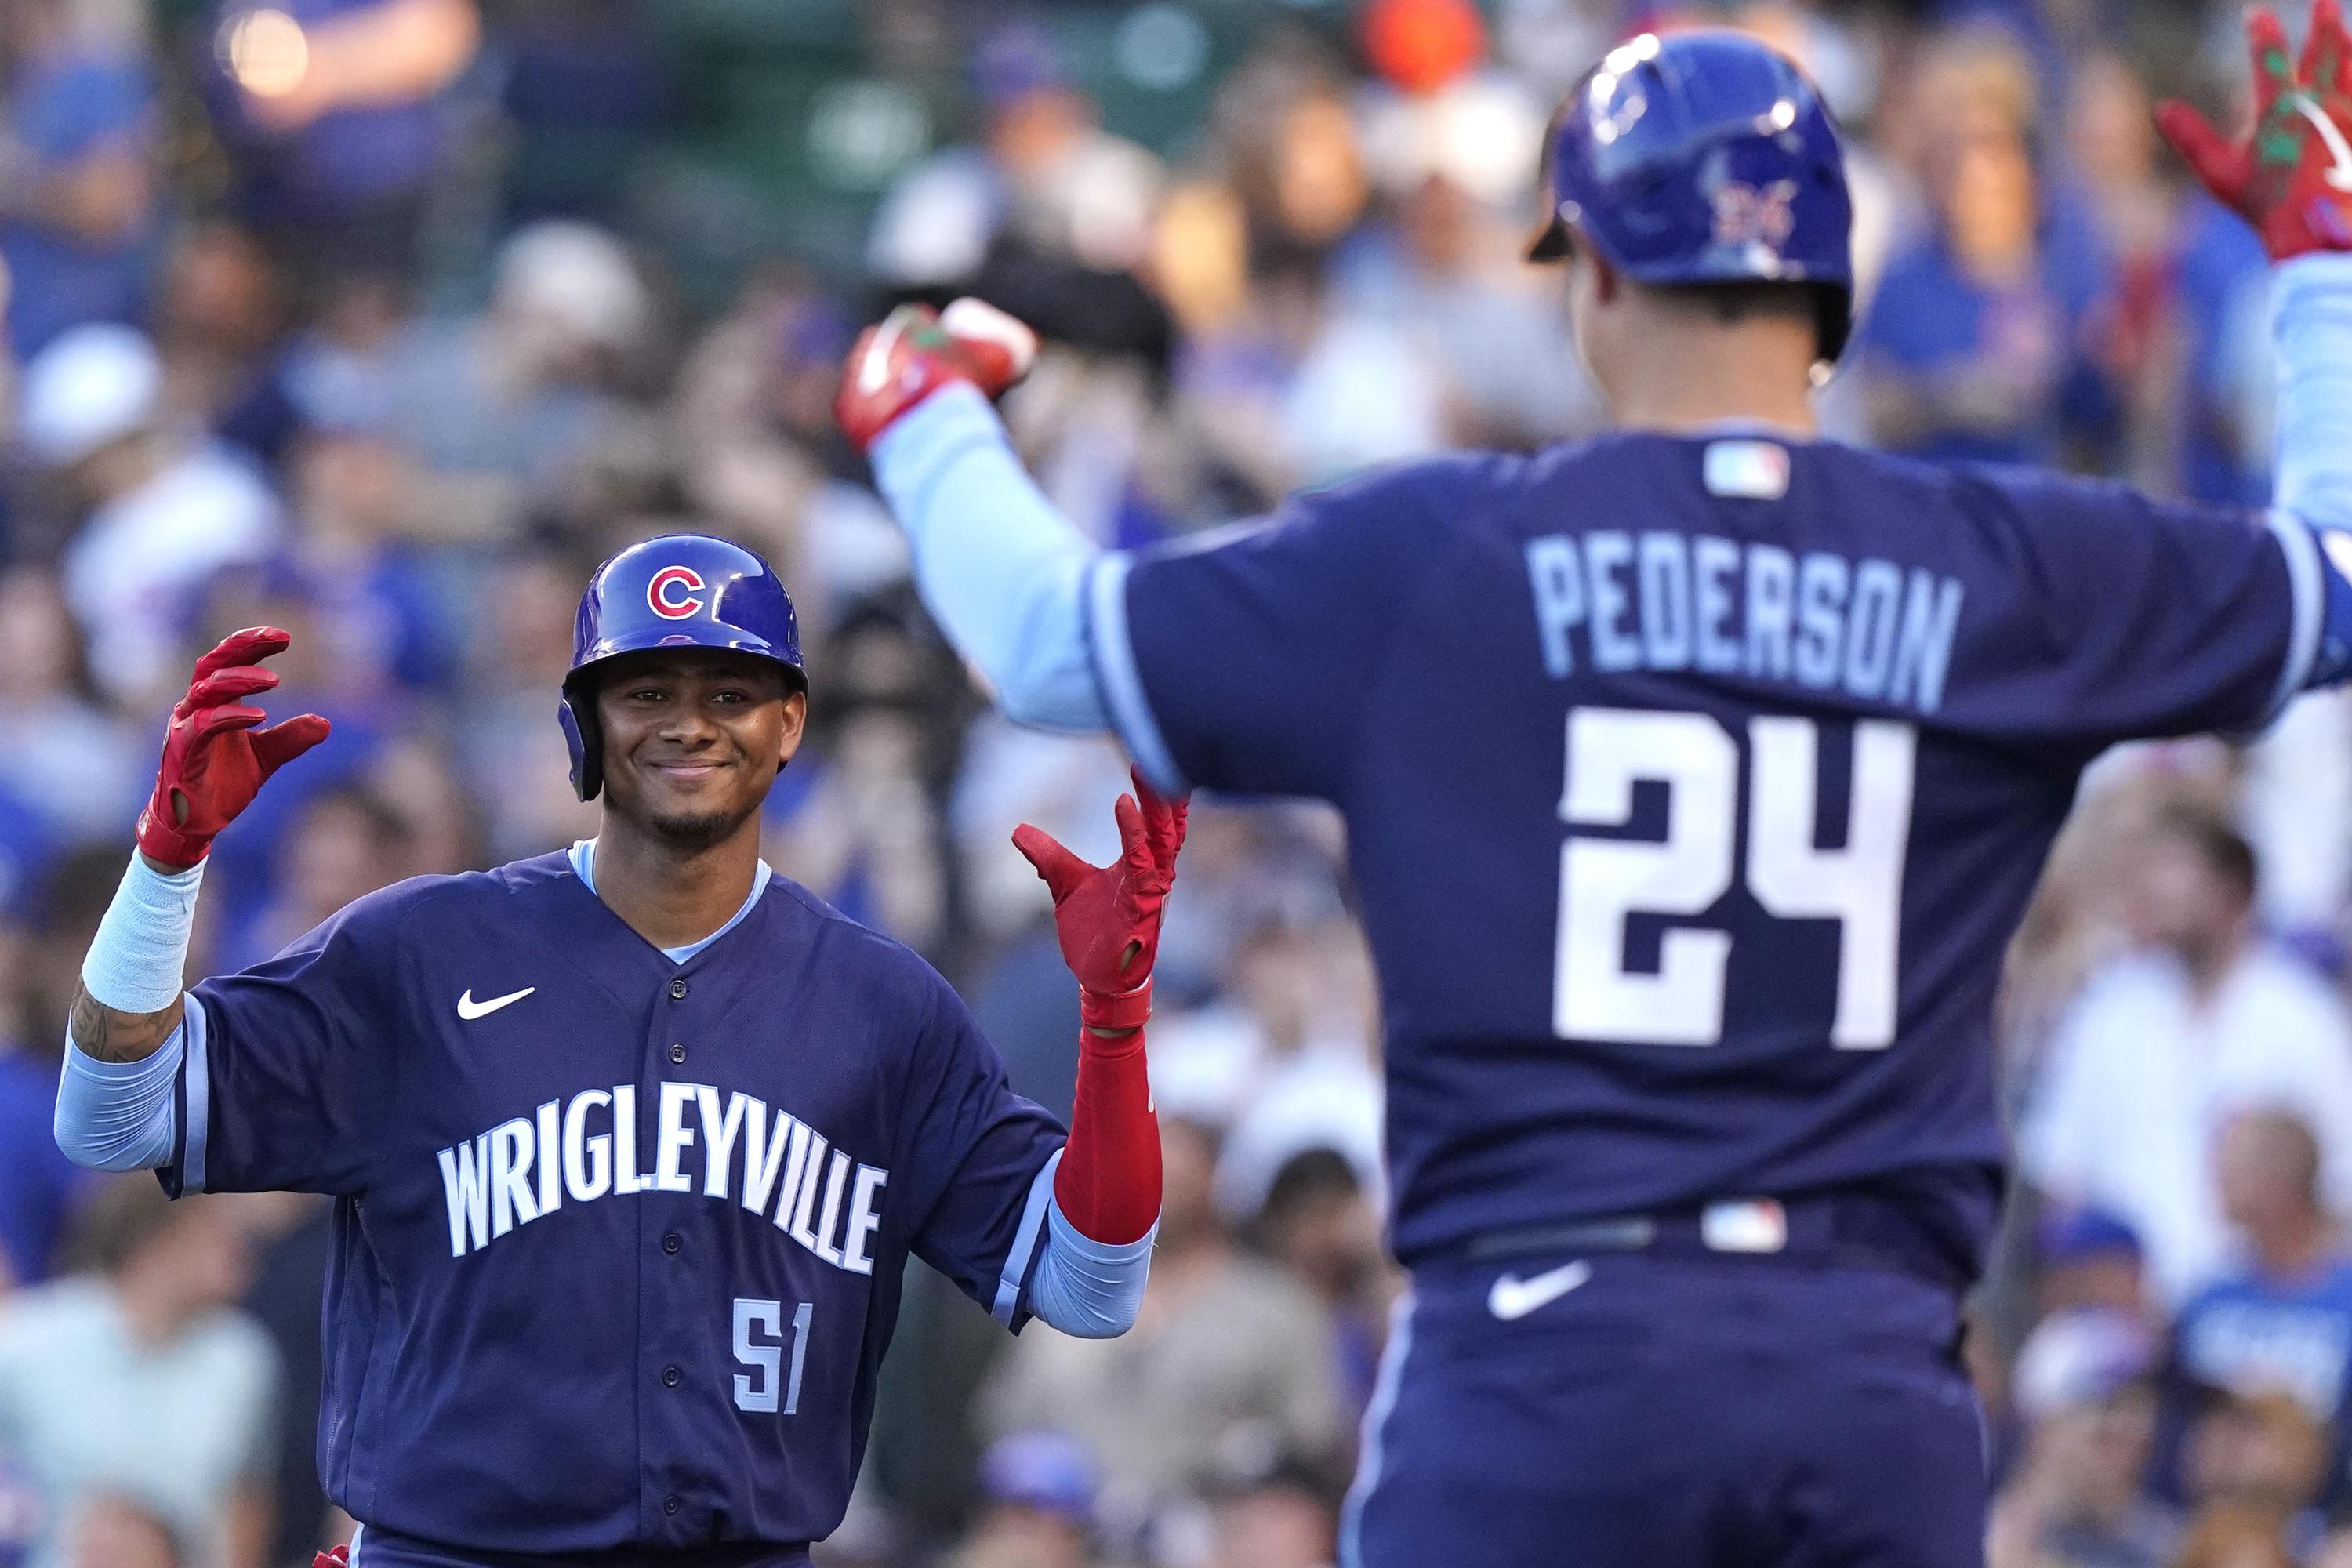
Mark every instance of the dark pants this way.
pixel 1672 1412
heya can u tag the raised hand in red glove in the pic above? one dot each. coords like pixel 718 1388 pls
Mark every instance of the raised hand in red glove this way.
pixel 1108 916
pixel 913 354
pixel 215 761
pixel 2291 176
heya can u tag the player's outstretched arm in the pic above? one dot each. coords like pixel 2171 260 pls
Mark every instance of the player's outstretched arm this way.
pixel 114 1103
pixel 1090 1279
pixel 2290 177
pixel 1001 570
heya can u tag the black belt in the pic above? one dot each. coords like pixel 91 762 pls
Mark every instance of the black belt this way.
pixel 1854 1229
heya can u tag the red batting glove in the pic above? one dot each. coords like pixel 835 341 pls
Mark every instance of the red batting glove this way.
pixel 913 354
pixel 2291 176
pixel 1108 916
pixel 215 761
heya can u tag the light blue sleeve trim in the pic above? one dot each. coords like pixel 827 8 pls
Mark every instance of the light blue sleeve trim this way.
pixel 1087 1288
pixel 2304 569
pixel 2312 323
pixel 1121 682
pixel 195 1141
pixel 999 565
pixel 117 1116
pixel 1024 1242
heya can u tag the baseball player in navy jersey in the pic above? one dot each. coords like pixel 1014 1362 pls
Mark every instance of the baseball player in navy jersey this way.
pixel 630 1143
pixel 1695 777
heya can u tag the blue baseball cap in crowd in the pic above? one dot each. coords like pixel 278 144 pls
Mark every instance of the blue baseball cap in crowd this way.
pixel 2083 1234
pixel 1049 1472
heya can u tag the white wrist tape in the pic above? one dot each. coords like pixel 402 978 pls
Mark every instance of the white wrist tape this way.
pixel 136 961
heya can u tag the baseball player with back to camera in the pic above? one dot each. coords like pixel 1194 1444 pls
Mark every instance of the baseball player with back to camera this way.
pixel 630 1143
pixel 1695 777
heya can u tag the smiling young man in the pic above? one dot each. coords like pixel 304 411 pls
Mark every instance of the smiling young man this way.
pixel 631 1142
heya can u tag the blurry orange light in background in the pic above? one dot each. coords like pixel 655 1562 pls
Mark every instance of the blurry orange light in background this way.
pixel 1420 46
pixel 266 52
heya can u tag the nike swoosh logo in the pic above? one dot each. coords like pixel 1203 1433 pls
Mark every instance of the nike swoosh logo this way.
pixel 1514 1297
pixel 469 1009
pixel 2340 175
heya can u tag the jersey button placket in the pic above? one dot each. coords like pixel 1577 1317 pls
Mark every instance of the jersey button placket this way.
pixel 678 1056
pixel 671 1377
pixel 677 989
pixel 672 1243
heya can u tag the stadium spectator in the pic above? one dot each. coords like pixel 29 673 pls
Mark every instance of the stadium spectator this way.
pixel 1319 1223
pixel 2203 1019
pixel 1044 175
pixel 2262 1457
pixel 1040 1489
pixel 2089 1258
pixel 1975 345
pixel 77 141
pixel 332 112
pixel 1223 1342
pixel 139 1378
pixel 1273 1509
pixel 155 512
pixel 2283 1324
pixel 2085 1393
pixel 117 1532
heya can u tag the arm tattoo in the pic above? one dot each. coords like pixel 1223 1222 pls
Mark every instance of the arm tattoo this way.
pixel 104 1034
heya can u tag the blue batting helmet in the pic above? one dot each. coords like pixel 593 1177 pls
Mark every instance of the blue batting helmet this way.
pixel 1703 157
pixel 674 590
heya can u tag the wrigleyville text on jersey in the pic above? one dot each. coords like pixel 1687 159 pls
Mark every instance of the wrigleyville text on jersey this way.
pixel 586 1150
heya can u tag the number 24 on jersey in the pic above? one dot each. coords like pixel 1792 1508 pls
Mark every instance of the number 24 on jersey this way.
pixel 1603 880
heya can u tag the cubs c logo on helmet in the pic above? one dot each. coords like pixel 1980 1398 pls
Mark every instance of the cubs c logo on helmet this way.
pixel 673 594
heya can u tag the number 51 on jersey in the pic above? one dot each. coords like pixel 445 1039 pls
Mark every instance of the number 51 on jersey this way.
pixel 1603 880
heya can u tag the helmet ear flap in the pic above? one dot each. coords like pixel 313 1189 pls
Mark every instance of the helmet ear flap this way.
pixel 585 738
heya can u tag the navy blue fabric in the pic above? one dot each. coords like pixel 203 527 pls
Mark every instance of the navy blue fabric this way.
pixel 562 1362
pixel 1383 647
pixel 1718 1413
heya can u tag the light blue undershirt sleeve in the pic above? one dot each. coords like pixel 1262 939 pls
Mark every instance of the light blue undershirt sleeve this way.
pixel 1002 569
pixel 117 1116
pixel 1087 1288
pixel 2312 326
pixel 1077 1285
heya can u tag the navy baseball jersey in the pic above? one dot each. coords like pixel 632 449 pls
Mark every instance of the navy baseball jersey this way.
pixel 1695 786
pixel 619 1240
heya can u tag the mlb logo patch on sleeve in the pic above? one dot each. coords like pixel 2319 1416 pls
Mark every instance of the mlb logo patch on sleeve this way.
pixel 1747 470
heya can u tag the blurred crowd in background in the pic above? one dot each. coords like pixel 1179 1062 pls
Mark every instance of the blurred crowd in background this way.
pixel 383 320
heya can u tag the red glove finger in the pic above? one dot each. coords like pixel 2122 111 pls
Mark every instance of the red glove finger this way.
pixel 1107 918
pixel 2223 166
pixel 206 722
pixel 1164 822
pixel 1062 870
pixel 214 759
pixel 242 648
pixel 1134 853
pixel 281 743
pixel 997 348
pixel 2273 74
pixel 228 686
pixel 913 354
pixel 2316 67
